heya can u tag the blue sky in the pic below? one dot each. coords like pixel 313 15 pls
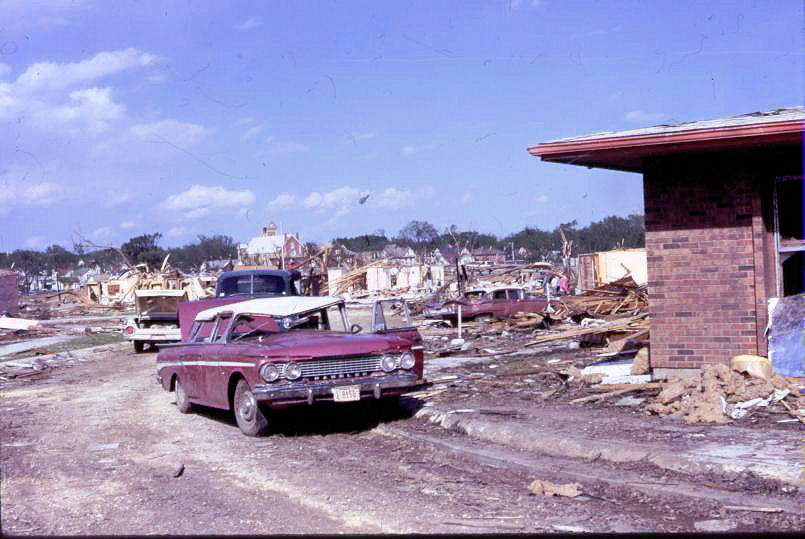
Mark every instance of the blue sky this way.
pixel 186 118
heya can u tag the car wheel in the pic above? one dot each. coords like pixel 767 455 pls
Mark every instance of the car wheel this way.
pixel 250 417
pixel 139 346
pixel 183 404
pixel 485 318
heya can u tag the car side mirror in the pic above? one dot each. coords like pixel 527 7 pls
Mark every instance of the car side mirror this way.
pixel 356 328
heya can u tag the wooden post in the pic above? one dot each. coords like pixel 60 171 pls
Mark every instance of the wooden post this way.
pixel 459 320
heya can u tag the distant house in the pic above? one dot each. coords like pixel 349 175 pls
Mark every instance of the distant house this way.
pixel 447 255
pixel 724 236
pixel 272 248
pixel 489 255
pixel 399 254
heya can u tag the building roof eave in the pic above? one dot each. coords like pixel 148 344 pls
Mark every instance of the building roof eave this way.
pixel 626 152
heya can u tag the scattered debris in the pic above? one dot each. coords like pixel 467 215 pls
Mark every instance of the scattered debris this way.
pixel 546 488
pixel 714 525
pixel 756 509
pixel 7 322
pixel 178 470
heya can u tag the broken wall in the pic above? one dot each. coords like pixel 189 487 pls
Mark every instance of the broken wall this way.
pixel 9 293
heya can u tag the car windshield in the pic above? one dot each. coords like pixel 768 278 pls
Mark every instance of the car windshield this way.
pixel 253 327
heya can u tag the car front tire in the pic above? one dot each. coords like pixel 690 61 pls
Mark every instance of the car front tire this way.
pixel 183 404
pixel 139 346
pixel 250 417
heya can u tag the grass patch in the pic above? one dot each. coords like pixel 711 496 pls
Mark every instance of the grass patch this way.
pixel 85 341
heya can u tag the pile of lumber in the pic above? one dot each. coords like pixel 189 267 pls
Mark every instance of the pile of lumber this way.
pixel 353 278
pixel 632 324
pixel 618 297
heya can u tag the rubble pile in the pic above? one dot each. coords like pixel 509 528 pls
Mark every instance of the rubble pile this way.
pixel 721 393
pixel 623 296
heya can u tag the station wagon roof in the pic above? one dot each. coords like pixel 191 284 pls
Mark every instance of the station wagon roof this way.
pixel 492 289
pixel 162 293
pixel 281 306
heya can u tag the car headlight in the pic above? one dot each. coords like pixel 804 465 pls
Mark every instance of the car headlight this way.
pixel 269 372
pixel 388 363
pixel 293 371
pixel 407 361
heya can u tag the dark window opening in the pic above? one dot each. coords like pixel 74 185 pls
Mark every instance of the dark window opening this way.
pixel 793 274
pixel 790 222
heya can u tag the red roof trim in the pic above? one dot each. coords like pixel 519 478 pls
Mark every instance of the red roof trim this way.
pixel 725 134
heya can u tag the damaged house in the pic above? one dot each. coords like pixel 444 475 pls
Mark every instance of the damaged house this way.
pixel 723 207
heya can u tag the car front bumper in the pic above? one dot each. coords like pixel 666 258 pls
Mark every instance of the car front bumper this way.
pixel 299 393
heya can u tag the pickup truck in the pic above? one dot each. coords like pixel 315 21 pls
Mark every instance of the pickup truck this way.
pixel 240 285
pixel 156 318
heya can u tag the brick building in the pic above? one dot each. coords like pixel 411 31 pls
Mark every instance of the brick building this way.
pixel 272 248
pixel 724 226
pixel 9 293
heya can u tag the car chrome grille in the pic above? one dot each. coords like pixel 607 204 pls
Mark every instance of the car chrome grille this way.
pixel 337 367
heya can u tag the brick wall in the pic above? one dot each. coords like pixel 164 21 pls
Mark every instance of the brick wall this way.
pixel 703 218
pixel 9 293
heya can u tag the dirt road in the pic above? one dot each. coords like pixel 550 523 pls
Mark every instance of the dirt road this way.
pixel 94 449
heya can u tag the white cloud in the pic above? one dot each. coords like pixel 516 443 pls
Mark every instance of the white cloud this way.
pixel 276 148
pixel 252 22
pixel 180 133
pixel 199 200
pixel 644 117
pixel 252 131
pixel 103 232
pixel 5 69
pixel 343 200
pixel 89 109
pixel 340 200
pixel 245 120
pixel 36 242
pixel 42 94
pixel 541 199
pixel 408 151
pixel 282 201
pixel 116 197
pixel 176 231
pixel 42 194
pixel 467 197
pixel 393 198
pixel 196 213
pixel 127 225
pixel 48 76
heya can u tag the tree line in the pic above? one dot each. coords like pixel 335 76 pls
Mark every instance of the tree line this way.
pixel 137 250
pixel 608 233
pixel 422 236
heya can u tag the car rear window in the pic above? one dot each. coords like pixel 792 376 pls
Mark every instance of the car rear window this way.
pixel 236 285
pixel 242 285
pixel 268 284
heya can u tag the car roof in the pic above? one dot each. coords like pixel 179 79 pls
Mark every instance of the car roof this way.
pixel 243 273
pixel 493 289
pixel 282 306
pixel 162 293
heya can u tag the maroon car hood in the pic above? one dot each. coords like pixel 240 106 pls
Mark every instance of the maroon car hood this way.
pixel 317 343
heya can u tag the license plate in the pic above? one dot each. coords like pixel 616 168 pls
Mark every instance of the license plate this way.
pixel 347 393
